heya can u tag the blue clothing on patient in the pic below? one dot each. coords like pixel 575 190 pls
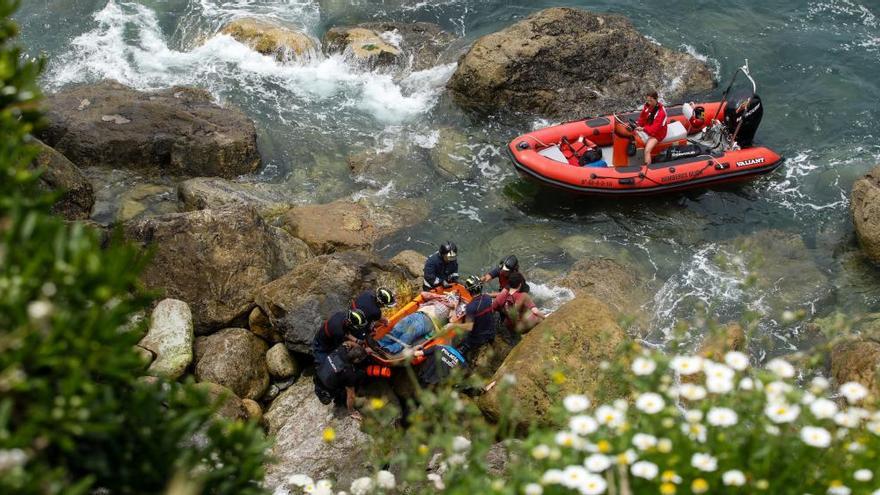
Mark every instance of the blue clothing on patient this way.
pixel 408 330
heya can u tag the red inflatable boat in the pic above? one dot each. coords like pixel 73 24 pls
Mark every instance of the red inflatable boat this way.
pixel 705 144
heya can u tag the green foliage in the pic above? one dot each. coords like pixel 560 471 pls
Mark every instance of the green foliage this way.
pixel 73 415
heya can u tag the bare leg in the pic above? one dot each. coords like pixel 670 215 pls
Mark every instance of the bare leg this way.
pixel 649 146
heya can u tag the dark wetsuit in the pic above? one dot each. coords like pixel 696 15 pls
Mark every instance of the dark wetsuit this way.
pixel 367 303
pixel 480 311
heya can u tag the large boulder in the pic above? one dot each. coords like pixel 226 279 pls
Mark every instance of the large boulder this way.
pixel 866 213
pixel 346 224
pixel 213 260
pixel 280 363
pixel 565 62
pixel 270 38
pixel 231 407
pixel 297 303
pixel 178 131
pixel 622 288
pixel 234 358
pixel 417 45
pixel 298 422
pixel 857 361
pixel 61 175
pixel 560 356
pixel 170 338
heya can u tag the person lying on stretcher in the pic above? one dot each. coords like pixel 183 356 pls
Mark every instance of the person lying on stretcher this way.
pixel 432 315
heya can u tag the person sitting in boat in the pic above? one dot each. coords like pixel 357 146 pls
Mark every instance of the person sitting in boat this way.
pixel 432 314
pixel 520 312
pixel 340 372
pixel 478 321
pixel 341 327
pixel 652 121
pixel 503 271
pixel 441 268
pixel 372 302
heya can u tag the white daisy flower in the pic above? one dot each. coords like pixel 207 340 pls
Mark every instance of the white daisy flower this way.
pixel 839 490
pixel 597 463
pixel 815 436
pixel 722 416
pixel 819 384
pixel 621 405
pixel 847 419
pixel 874 427
pixel 747 384
pixel 693 415
pixel 776 391
pixel 644 469
pixel 565 439
pixel 781 412
pixel 733 477
pixel 541 451
pixel 736 360
pixel 692 392
pixel 808 399
pixel 552 477
pixel 863 475
pixel 361 486
pixel 780 367
pixel 650 403
pixel 687 365
pixel 694 431
pixel 704 462
pixel 664 445
pixel 643 441
pixel 823 409
pixel 582 424
pixel 533 489
pixel 593 485
pixel 772 430
pixel 717 385
pixel 576 403
pixel 299 480
pixel 643 366
pixel 609 416
pixel 573 476
pixel 853 391
pixel 460 444
pixel 719 371
pixel 385 480
pixel 627 457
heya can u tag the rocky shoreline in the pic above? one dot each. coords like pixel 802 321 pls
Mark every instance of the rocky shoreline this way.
pixel 248 273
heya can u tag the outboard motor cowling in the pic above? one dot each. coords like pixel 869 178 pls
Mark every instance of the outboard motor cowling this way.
pixel 743 124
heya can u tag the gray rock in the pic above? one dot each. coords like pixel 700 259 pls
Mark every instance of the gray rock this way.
pixel 281 364
pixel 570 63
pixel 232 407
pixel 213 260
pixel 297 420
pixel 234 358
pixel 60 174
pixel 170 338
pixel 415 46
pixel 451 156
pixel 272 39
pixel 205 193
pixel 865 207
pixel 178 131
pixel 301 300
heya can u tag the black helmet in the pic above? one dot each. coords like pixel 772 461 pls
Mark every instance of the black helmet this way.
pixel 509 264
pixel 385 297
pixel 473 284
pixel 356 319
pixel 448 248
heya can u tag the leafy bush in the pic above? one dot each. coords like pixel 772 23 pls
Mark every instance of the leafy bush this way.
pixel 73 415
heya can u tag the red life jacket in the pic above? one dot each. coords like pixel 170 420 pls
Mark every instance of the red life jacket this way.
pixel 574 152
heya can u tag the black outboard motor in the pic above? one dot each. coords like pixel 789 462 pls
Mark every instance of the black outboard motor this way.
pixel 743 124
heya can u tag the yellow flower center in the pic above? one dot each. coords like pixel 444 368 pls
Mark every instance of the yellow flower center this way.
pixel 603 446
pixel 699 485
pixel 667 489
pixel 329 434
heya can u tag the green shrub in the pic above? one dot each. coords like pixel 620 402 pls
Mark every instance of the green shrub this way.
pixel 73 416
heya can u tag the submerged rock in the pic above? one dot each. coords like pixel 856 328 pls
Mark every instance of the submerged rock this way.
pixel 301 300
pixel 570 63
pixel 234 358
pixel 177 131
pixel 346 224
pixel 142 199
pixel 416 45
pixel 451 156
pixel 560 356
pixel 204 193
pixel 61 175
pixel 269 38
pixel 297 421
pixel 213 260
pixel 170 338
pixel 866 213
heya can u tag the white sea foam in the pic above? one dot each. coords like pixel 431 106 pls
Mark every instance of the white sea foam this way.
pixel 127 45
pixel 712 62
pixel 549 298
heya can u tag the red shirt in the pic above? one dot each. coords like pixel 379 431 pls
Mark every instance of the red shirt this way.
pixel 657 127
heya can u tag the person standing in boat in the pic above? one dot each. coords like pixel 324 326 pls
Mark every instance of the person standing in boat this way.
pixel 652 121
pixel 441 268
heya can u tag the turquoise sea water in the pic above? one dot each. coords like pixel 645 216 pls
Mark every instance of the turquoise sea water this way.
pixel 817 64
